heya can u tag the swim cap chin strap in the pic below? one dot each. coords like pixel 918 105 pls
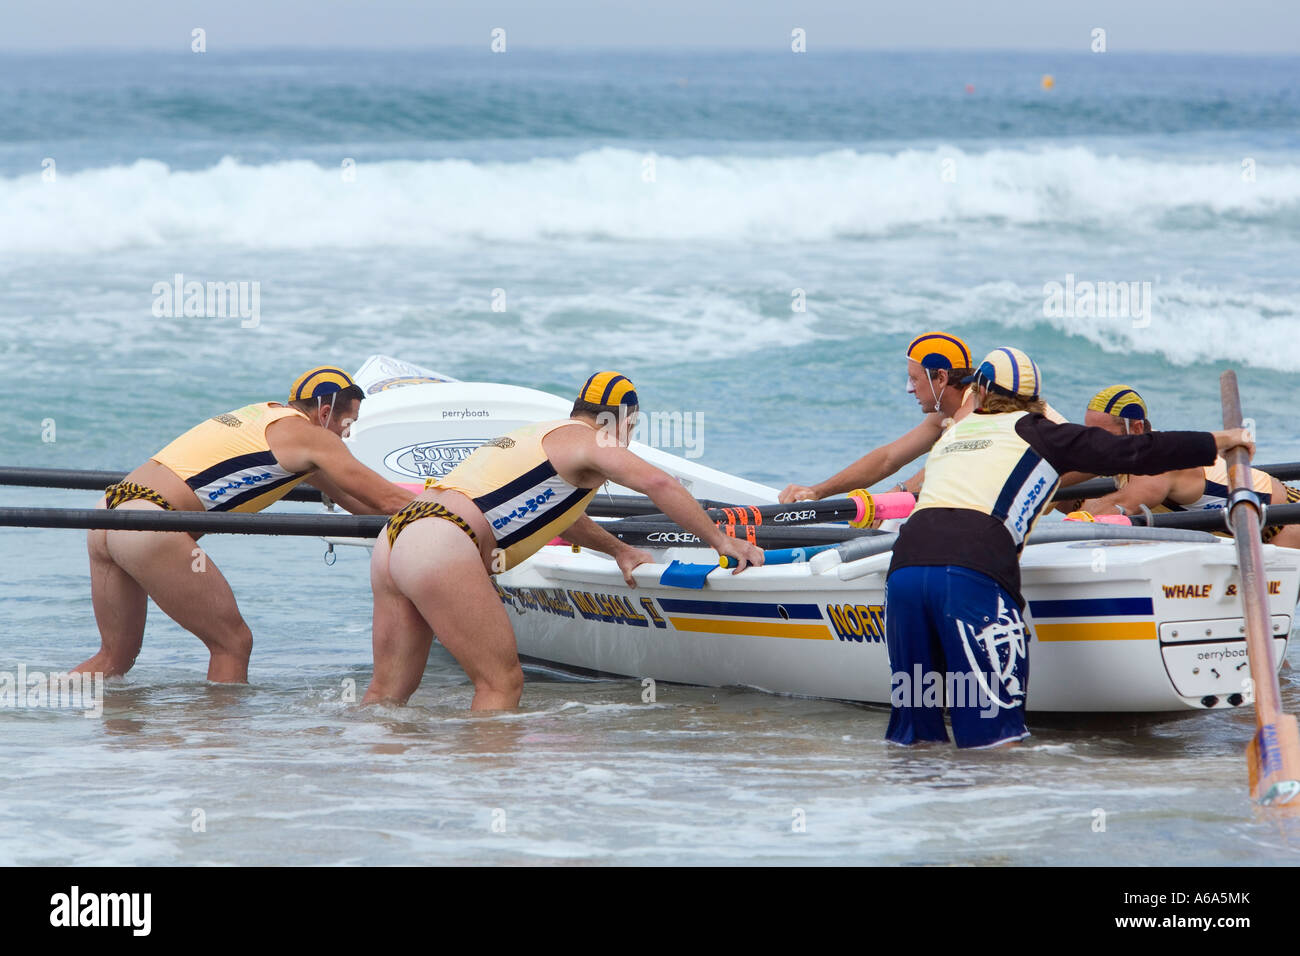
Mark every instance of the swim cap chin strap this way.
pixel 911 389
pixel 930 379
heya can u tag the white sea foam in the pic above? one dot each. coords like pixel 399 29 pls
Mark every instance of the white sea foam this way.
pixel 1189 323
pixel 601 193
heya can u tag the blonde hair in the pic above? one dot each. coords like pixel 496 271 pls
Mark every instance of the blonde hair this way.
pixel 996 402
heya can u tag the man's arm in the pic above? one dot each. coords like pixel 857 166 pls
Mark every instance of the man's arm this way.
pixel 299 446
pixel 1139 490
pixel 337 495
pixel 588 534
pixel 1079 448
pixel 873 466
pixel 574 452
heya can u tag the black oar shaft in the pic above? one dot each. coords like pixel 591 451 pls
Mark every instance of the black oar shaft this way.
pixel 1097 487
pixel 341 526
pixel 660 534
pixel 663 534
pixel 87 480
pixel 1213 520
pixel 602 506
pixel 635 507
pixel 800 512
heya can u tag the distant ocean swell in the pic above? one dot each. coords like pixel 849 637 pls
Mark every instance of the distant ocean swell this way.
pixel 612 193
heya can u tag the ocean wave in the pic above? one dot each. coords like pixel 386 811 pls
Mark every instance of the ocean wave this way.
pixel 620 194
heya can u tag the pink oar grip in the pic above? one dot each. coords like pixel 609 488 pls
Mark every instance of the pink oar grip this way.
pixel 891 504
pixel 1114 519
pixel 1086 518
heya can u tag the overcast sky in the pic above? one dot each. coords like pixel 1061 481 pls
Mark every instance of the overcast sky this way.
pixel 1217 26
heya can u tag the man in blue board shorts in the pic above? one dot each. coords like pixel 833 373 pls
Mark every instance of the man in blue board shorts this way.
pixel 953 608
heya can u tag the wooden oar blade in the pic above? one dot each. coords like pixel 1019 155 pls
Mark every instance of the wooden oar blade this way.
pixel 1273 761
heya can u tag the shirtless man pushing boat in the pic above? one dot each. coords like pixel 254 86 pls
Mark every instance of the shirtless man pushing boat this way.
pixel 502 504
pixel 243 460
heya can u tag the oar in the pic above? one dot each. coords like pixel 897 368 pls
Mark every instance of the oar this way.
pixel 1097 487
pixel 859 509
pixel 1207 520
pixel 682 574
pixel 606 505
pixel 603 506
pixel 780 556
pixel 652 534
pixel 1273 757
pixel 340 526
pixel 85 480
pixel 661 534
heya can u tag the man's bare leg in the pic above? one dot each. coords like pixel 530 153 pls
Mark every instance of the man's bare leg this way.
pixel 120 606
pixel 440 571
pixel 400 636
pixel 190 589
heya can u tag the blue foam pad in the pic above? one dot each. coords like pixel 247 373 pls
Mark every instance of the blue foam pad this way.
pixel 681 575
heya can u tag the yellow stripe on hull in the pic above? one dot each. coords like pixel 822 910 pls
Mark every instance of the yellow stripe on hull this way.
pixel 809 632
pixel 1117 631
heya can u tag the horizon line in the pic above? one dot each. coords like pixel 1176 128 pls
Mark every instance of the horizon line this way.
pixel 780 50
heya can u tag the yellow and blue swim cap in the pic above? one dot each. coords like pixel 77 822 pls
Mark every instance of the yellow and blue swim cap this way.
pixel 1010 372
pixel 1120 401
pixel 610 389
pixel 936 350
pixel 321 381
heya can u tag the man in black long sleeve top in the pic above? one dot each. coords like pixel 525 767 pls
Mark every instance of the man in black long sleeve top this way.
pixel 953 603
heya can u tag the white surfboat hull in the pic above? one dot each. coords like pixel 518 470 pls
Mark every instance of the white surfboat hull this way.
pixel 1131 638
pixel 1117 626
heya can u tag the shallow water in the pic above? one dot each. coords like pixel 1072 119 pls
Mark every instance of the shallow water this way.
pixel 283 771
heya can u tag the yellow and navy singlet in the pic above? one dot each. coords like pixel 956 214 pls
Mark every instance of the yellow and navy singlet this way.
pixel 516 487
pixel 1215 495
pixel 227 461
pixel 990 475
pixel 985 466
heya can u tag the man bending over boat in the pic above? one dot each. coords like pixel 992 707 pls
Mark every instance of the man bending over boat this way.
pixel 952 595
pixel 937 364
pixel 502 504
pixel 239 461
pixel 1120 410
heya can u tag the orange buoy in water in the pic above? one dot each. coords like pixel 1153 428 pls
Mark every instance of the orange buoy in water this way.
pixel 1048 81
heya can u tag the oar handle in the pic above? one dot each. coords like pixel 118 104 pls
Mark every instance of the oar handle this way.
pixel 1237 460
pixel 859 508
pixel 779 556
